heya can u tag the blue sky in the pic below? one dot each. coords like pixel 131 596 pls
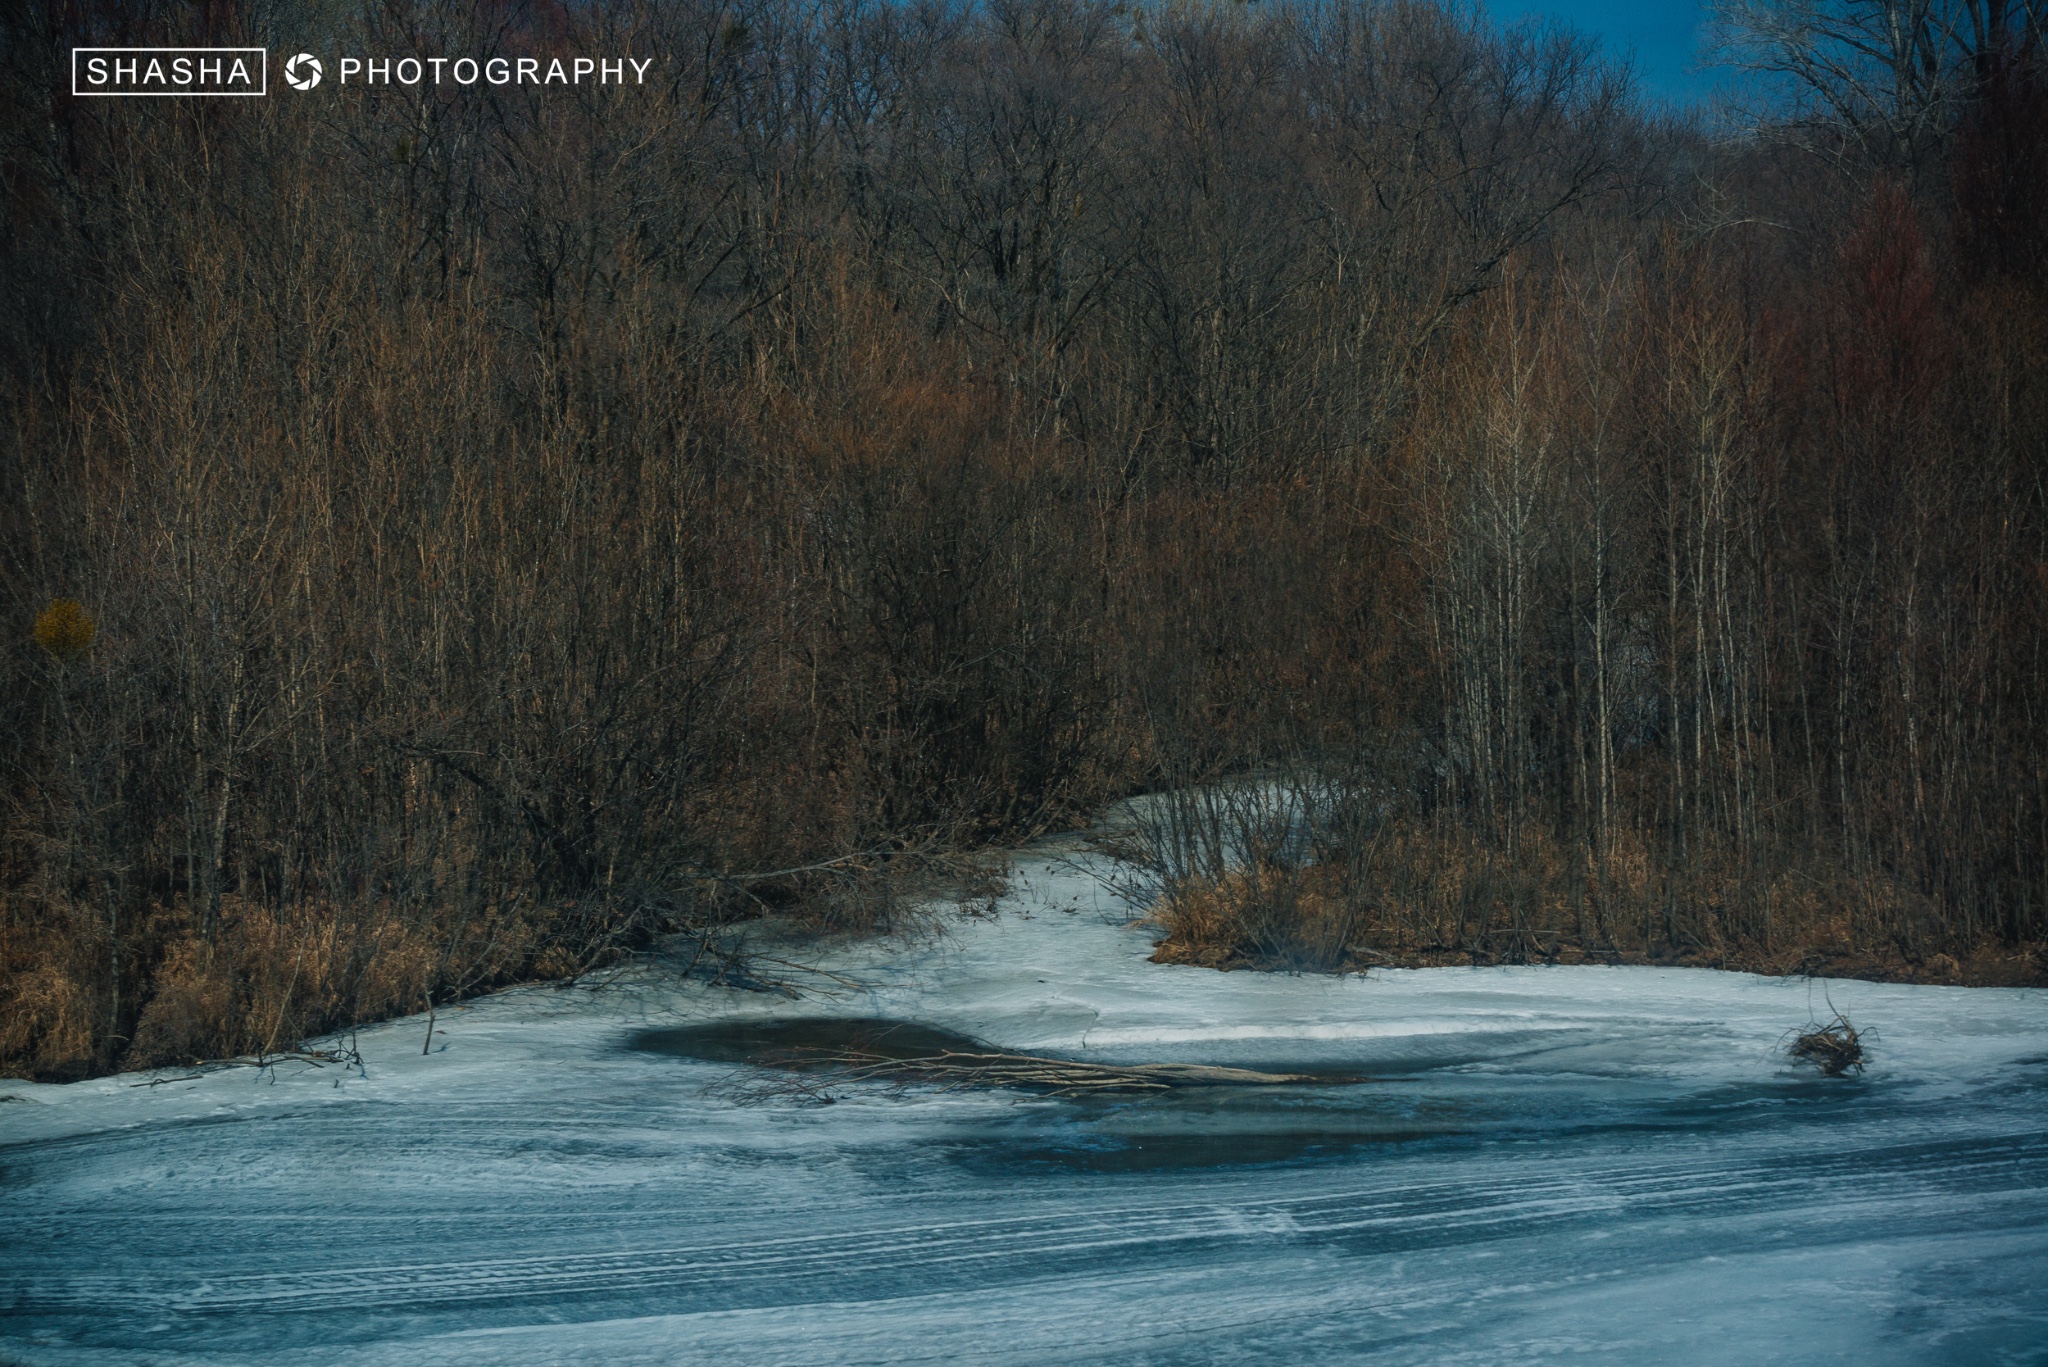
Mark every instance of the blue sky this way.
pixel 1663 34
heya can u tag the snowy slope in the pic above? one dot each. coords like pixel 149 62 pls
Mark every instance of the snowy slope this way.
pixel 1609 1165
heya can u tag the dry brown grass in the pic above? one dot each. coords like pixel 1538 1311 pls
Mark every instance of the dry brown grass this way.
pixel 47 1020
pixel 1265 917
pixel 269 979
pixel 1443 899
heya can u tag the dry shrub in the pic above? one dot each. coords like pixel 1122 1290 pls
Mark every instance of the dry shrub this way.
pixel 1835 1048
pixel 53 1003
pixel 192 1010
pixel 1437 894
pixel 275 978
pixel 1445 890
pixel 1263 917
pixel 887 892
pixel 48 1017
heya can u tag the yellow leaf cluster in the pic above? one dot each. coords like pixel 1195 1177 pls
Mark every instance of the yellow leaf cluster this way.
pixel 64 629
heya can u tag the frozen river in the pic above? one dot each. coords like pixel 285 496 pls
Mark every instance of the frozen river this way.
pixel 1568 1164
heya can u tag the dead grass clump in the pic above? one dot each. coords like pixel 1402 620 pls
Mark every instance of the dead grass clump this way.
pixel 188 1018
pixel 1264 917
pixel 54 998
pixel 273 978
pixel 1430 894
pixel 1835 1048
pixel 1201 924
pixel 47 1020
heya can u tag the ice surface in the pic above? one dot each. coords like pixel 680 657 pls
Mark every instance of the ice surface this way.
pixel 1611 1165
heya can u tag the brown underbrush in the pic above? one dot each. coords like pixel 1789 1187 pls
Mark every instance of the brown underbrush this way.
pixel 1434 902
pixel 1263 917
pixel 268 979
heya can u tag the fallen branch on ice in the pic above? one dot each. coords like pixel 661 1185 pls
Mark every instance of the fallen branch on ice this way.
pixel 957 1068
pixel 317 1058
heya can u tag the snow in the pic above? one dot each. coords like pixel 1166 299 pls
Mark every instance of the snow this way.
pixel 1589 1164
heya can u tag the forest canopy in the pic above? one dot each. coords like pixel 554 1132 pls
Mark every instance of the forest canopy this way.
pixel 451 535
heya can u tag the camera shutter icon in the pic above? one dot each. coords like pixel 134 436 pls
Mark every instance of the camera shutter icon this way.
pixel 302 72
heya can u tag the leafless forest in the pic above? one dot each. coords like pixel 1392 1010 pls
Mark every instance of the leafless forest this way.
pixel 449 536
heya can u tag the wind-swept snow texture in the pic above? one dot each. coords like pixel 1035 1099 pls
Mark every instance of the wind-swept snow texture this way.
pixel 1549 1164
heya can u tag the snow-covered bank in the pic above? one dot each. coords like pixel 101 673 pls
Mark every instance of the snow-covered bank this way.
pixel 1604 1163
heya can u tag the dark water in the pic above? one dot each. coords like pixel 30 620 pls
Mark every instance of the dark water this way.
pixel 1185 1127
pixel 1337 1117
pixel 795 1043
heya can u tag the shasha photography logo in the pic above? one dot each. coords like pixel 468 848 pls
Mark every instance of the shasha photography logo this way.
pixel 302 72
pixel 246 71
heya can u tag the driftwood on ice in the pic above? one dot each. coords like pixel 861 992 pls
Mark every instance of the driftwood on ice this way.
pixel 962 1068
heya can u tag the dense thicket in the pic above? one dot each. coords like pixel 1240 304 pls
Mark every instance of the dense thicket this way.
pixel 499 519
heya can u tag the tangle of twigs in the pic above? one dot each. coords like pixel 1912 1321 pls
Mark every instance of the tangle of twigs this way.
pixel 952 1069
pixel 1835 1047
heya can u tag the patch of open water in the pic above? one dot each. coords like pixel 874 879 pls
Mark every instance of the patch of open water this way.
pixel 787 1043
pixel 1338 1116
